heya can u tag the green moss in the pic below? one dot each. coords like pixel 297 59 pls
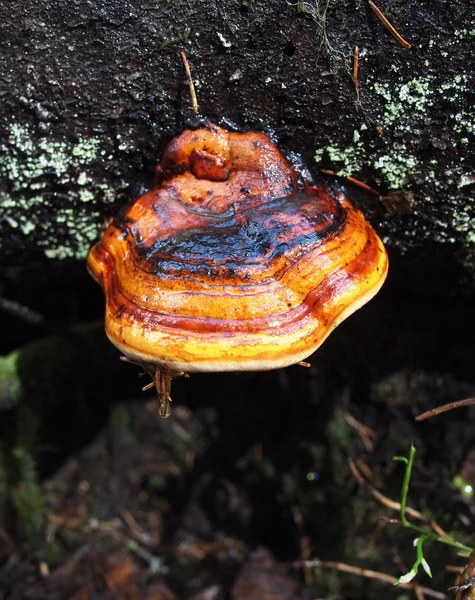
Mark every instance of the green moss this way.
pixel 174 36
pixel 28 498
pixel 10 383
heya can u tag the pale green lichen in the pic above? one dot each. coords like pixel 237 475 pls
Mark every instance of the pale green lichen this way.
pixel 467 180
pixel 401 105
pixel 404 101
pixel 108 194
pixel 83 179
pixel 466 32
pixel 404 112
pixel 85 225
pixel 85 196
pixel 25 159
pixel 395 168
pixel 31 163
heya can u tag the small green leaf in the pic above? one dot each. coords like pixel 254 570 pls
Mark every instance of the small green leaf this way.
pixel 401 459
pixel 407 577
pixel 426 567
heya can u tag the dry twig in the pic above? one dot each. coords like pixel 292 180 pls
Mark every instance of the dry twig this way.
pixel 316 564
pixel 21 311
pixel 366 433
pixel 445 408
pixel 194 100
pixel 357 182
pixel 392 504
pixel 356 62
pixel 388 25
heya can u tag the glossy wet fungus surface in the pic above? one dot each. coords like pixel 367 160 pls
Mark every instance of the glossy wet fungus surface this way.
pixel 233 261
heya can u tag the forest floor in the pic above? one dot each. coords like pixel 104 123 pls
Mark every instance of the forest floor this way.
pixel 161 509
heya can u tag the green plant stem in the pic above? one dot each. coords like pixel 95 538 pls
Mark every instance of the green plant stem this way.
pixel 405 484
pixel 438 538
pixel 405 523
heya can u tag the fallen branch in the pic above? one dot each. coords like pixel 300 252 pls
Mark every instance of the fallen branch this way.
pixel 315 564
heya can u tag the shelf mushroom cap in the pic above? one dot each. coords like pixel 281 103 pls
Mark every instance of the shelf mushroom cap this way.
pixel 232 263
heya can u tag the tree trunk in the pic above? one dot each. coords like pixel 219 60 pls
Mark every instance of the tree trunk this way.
pixel 91 92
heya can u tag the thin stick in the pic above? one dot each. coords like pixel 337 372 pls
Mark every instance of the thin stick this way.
pixel 362 429
pixel 357 182
pixel 365 432
pixel 454 569
pixel 356 61
pixel 419 593
pixel 305 364
pixel 437 534
pixel 317 564
pixel 194 101
pixel 360 184
pixel 305 551
pixel 392 504
pixel 19 310
pixel 445 408
pixel 388 25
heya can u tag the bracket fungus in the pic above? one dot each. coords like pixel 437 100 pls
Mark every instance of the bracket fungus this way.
pixel 232 262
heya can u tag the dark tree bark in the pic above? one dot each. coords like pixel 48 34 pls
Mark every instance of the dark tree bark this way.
pixel 92 90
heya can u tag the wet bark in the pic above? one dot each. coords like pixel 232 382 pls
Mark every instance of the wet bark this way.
pixel 91 91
